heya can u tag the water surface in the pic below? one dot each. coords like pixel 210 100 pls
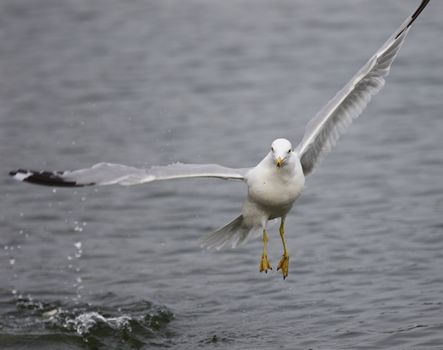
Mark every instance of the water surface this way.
pixel 150 82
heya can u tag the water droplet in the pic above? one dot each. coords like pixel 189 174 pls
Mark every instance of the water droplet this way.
pixel 50 313
pixel 54 190
pixel 78 245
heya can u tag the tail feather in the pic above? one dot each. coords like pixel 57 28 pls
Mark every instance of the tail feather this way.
pixel 235 232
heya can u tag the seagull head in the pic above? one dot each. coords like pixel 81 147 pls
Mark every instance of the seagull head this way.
pixel 281 150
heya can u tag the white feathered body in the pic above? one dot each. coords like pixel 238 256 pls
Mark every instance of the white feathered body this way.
pixel 272 190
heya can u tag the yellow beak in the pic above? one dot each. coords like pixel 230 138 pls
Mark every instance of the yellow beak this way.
pixel 279 162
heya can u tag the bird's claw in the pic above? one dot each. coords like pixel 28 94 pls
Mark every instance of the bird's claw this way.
pixel 284 265
pixel 264 264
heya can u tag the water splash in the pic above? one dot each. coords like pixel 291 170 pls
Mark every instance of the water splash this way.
pixel 132 324
pixel 84 323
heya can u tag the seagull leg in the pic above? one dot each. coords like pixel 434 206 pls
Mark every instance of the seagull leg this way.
pixel 264 262
pixel 284 261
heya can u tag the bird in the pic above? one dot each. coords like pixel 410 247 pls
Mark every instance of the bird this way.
pixel 278 180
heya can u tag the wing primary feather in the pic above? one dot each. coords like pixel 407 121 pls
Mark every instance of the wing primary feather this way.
pixel 45 178
pixel 414 16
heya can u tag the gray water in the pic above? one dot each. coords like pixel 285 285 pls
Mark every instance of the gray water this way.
pixel 154 82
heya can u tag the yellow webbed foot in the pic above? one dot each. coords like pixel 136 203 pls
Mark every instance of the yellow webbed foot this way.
pixel 264 264
pixel 284 265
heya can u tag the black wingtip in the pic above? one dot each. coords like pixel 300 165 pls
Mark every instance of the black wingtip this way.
pixel 422 6
pixel 45 178
pixel 414 16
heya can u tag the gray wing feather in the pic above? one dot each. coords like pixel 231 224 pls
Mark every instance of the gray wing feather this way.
pixel 109 174
pixel 323 131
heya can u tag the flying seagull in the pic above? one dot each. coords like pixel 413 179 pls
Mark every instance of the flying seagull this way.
pixel 277 181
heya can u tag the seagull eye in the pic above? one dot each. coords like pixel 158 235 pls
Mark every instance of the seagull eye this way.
pixel 290 151
pixel 272 149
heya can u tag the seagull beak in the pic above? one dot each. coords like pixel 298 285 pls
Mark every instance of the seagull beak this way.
pixel 279 162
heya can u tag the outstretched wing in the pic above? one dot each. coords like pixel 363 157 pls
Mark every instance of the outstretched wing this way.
pixel 109 174
pixel 323 131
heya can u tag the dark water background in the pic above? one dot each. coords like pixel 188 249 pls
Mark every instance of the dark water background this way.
pixel 153 82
